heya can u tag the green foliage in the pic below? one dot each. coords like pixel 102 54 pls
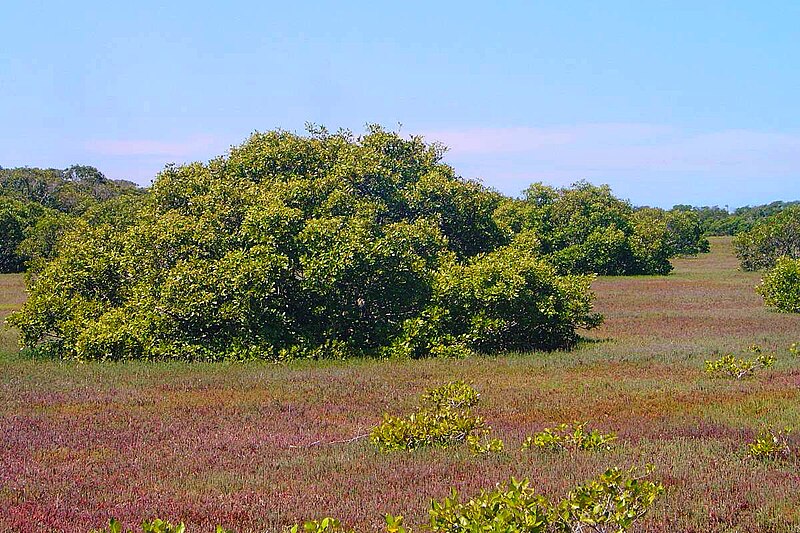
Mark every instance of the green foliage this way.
pixel 439 428
pixel 484 446
pixel 611 502
pixel 585 229
pixel 770 239
pixel 37 205
pixel 394 524
pixel 794 349
pixel 150 526
pixel 444 419
pixel 15 217
pixel 320 246
pixel 72 190
pixel 513 508
pixel 324 525
pixel 679 232
pixel 737 368
pixel 453 395
pixel 566 437
pixel 717 221
pixel 510 300
pixel 770 444
pixel 780 286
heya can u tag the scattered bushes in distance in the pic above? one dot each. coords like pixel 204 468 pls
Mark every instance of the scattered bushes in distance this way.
pixel 328 245
pixel 780 286
pixel 71 190
pixel 737 368
pixel 770 444
pixel 585 229
pixel 566 437
pixel 768 240
pixel 443 419
pixel 715 220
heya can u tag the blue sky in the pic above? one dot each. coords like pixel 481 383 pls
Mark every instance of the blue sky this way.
pixel 668 102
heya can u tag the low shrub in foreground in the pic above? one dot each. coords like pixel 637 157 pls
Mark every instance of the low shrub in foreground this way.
pixel 611 502
pixel 566 437
pixel 737 368
pixel 444 419
pixel 780 286
pixel 770 444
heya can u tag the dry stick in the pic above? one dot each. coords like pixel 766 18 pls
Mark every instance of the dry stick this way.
pixel 320 443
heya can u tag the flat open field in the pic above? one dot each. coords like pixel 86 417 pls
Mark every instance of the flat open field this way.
pixel 211 443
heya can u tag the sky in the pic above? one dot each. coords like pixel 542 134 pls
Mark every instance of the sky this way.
pixel 666 101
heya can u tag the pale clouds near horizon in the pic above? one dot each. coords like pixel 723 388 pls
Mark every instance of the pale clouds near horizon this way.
pixel 626 147
pixel 648 163
pixel 592 147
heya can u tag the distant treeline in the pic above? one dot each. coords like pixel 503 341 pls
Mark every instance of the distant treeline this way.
pixel 715 220
pixel 38 204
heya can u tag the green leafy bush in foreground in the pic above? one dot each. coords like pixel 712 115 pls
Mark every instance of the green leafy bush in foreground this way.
pixel 611 502
pixel 780 286
pixel 566 437
pixel 328 245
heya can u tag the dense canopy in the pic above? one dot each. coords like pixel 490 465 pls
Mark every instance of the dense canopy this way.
pixel 331 245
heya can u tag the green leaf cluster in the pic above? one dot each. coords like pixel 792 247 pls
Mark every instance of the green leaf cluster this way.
pixel 770 444
pixel 780 286
pixel 443 419
pixel 730 366
pixel 323 525
pixel 770 239
pixel 16 216
pixel 569 437
pixel 38 205
pixel 611 502
pixel 151 526
pixel 585 229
